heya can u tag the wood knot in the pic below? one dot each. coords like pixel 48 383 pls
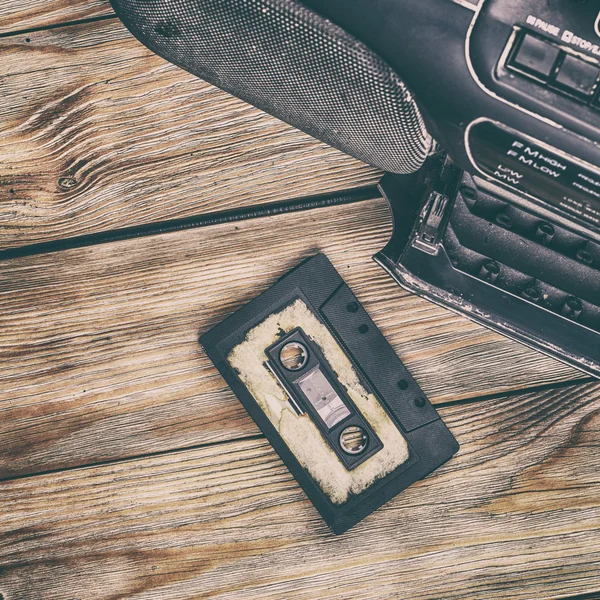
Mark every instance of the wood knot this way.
pixel 67 183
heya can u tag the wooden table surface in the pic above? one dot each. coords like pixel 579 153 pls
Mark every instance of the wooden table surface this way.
pixel 128 469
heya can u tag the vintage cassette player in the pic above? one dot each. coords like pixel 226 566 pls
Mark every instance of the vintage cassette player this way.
pixel 330 394
pixel 486 111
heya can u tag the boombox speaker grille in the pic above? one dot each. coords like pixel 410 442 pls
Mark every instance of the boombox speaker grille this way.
pixel 289 61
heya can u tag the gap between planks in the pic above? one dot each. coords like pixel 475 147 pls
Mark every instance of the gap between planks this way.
pixel 203 220
pixel 440 407
pixel 100 134
pixel 26 16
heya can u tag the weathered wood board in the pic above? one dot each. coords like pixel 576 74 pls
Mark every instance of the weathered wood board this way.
pixel 101 363
pixel 514 515
pixel 99 345
pixel 24 15
pixel 100 134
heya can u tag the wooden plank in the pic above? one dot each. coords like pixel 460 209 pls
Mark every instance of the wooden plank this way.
pixel 99 345
pixel 514 515
pixel 34 14
pixel 98 134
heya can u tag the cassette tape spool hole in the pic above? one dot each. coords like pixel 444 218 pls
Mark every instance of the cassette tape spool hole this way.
pixel 293 356
pixel 354 440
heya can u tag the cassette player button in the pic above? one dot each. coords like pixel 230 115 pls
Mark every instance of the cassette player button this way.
pixel 577 76
pixel 536 56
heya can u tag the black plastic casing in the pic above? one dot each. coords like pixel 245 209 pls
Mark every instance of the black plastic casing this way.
pixel 472 247
pixel 455 56
pixel 319 285
pixel 354 72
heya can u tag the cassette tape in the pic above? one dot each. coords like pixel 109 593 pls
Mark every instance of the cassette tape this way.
pixel 329 393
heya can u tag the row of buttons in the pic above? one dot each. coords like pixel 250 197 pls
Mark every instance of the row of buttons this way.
pixel 545 61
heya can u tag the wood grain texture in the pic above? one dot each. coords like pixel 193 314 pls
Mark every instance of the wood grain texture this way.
pixel 100 360
pixel 514 515
pixel 98 134
pixel 99 345
pixel 23 15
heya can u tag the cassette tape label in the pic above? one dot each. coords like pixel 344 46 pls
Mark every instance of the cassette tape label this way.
pixel 300 432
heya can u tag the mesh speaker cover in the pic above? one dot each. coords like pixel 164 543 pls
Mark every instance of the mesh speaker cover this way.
pixel 289 61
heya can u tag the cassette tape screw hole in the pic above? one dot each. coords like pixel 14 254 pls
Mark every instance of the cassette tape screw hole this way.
pixel 363 329
pixel 420 402
pixel 352 307
pixel 354 440
pixel 403 384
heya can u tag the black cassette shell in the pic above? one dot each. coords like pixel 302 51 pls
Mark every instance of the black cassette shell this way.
pixel 319 285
